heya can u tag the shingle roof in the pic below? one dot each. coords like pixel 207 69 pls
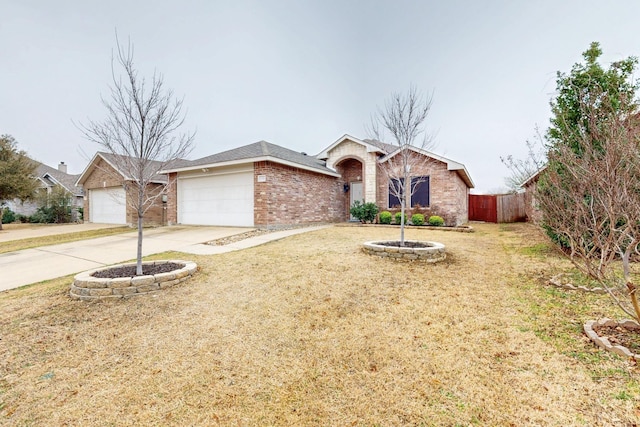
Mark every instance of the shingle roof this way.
pixel 257 150
pixel 68 181
pixel 388 148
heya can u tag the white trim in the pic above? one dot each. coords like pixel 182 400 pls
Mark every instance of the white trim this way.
pixel 250 161
pixel 532 177
pixel 451 165
pixel 214 173
pixel 82 177
pixel 324 154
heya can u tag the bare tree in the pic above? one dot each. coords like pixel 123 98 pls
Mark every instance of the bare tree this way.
pixel 140 132
pixel 589 194
pixel 402 121
pixel 523 169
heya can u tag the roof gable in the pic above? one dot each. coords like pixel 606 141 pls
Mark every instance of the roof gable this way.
pixel 114 161
pixel 451 165
pixel 52 176
pixel 372 146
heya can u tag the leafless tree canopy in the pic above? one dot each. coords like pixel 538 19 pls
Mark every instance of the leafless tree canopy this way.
pixel 141 124
pixel 591 197
pixel 402 123
pixel 523 169
pixel 140 131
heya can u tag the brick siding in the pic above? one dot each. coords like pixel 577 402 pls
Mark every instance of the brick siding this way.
pixel 448 198
pixel 104 176
pixel 292 196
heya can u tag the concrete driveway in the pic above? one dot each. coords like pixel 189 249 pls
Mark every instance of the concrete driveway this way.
pixel 35 265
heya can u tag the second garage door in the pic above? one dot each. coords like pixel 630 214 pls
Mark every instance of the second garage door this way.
pixel 222 199
pixel 107 205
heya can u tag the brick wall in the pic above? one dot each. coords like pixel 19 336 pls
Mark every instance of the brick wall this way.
pixel 104 176
pixel 292 196
pixel 172 199
pixel 449 195
pixel 530 204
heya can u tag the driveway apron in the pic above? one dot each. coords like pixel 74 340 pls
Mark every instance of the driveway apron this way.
pixel 48 262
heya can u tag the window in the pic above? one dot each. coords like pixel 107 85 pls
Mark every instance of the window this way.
pixel 419 188
pixel 395 185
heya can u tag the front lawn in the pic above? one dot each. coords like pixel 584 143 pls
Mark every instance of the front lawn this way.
pixel 311 331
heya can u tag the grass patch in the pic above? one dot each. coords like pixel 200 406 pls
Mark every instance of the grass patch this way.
pixel 309 330
pixel 34 242
pixel 542 249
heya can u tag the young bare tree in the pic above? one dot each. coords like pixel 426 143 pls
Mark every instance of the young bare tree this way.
pixel 402 123
pixel 589 194
pixel 524 168
pixel 140 131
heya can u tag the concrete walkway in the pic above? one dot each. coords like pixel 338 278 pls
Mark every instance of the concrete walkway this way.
pixel 49 262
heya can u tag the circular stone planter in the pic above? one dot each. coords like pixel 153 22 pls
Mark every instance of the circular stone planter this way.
pixel 89 288
pixel 604 343
pixel 434 252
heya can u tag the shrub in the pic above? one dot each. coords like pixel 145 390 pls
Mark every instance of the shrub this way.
pixel 417 219
pixel 8 216
pixel 364 212
pixel 436 220
pixel 399 217
pixel 22 218
pixel 38 218
pixel 385 217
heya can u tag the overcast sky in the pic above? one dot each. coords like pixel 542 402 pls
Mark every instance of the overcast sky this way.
pixel 301 74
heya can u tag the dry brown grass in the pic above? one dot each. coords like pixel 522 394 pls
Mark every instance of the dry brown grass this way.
pixel 311 331
pixel 33 242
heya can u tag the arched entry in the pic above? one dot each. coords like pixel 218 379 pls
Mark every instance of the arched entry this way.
pixel 352 174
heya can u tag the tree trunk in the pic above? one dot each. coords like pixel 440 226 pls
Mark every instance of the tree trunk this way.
pixel 140 223
pixel 634 299
pixel 139 254
pixel 402 223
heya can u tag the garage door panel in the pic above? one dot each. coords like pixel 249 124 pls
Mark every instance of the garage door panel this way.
pixel 108 205
pixel 216 200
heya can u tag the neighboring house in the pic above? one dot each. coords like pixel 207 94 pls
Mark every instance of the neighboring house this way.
pixel 531 206
pixel 265 185
pixel 49 178
pixel 106 200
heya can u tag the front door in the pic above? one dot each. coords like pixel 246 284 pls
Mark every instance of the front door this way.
pixel 355 194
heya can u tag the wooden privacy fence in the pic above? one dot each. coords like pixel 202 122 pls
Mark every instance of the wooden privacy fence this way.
pixel 497 207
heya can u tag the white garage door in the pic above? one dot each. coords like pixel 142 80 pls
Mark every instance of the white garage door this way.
pixel 108 205
pixel 224 199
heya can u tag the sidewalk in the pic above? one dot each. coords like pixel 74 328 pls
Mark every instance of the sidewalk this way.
pixel 49 262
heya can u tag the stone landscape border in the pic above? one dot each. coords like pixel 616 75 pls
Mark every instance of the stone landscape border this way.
pixel 434 253
pixel 89 288
pixel 458 228
pixel 604 343
pixel 555 281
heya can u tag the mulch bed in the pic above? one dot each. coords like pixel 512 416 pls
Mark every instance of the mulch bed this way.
pixel 130 270
pixel 618 335
pixel 238 237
